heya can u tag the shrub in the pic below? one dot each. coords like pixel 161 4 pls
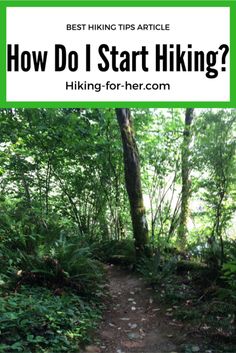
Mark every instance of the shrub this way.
pixel 155 269
pixel 115 251
pixel 34 320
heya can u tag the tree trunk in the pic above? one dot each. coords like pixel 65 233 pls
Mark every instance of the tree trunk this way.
pixel 133 182
pixel 185 170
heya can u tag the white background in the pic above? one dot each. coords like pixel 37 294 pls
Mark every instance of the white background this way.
pixel 40 28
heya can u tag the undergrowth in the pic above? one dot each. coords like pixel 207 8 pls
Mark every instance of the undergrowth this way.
pixel 35 320
pixel 114 251
pixel 51 296
pixel 194 296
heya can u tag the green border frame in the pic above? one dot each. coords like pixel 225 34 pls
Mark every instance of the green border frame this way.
pixel 118 3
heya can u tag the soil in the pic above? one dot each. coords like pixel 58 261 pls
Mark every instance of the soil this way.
pixel 133 322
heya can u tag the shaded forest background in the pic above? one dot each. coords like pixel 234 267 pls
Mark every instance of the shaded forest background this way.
pixel 151 189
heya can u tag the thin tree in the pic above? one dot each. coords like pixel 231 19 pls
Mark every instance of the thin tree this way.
pixel 185 171
pixel 133 181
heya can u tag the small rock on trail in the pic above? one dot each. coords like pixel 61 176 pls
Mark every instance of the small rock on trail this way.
pixel 134 328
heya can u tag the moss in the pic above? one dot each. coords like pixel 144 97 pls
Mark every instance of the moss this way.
pixel 140 210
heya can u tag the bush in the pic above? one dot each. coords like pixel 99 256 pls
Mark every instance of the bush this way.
pixel 228 293
pixel 52 297
pixel 63 264
pixel 229 270
pixel 157 270
pixel 34 320
pixel 115 251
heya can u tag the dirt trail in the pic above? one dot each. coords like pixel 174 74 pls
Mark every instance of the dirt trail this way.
pixel 132 321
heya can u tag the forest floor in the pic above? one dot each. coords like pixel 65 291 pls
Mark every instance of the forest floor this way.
pixel 133 322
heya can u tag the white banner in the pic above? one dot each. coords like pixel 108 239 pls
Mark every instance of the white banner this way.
pixel 145 54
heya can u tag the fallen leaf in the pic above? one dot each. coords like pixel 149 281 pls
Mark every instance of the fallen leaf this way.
pixel 112 325
pixel 92 349
pixel 133 335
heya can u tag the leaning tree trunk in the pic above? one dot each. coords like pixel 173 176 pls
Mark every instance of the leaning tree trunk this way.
pixel 133 181
pixel 185 170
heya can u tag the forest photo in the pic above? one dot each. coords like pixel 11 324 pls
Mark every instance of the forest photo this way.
pixel 117 230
